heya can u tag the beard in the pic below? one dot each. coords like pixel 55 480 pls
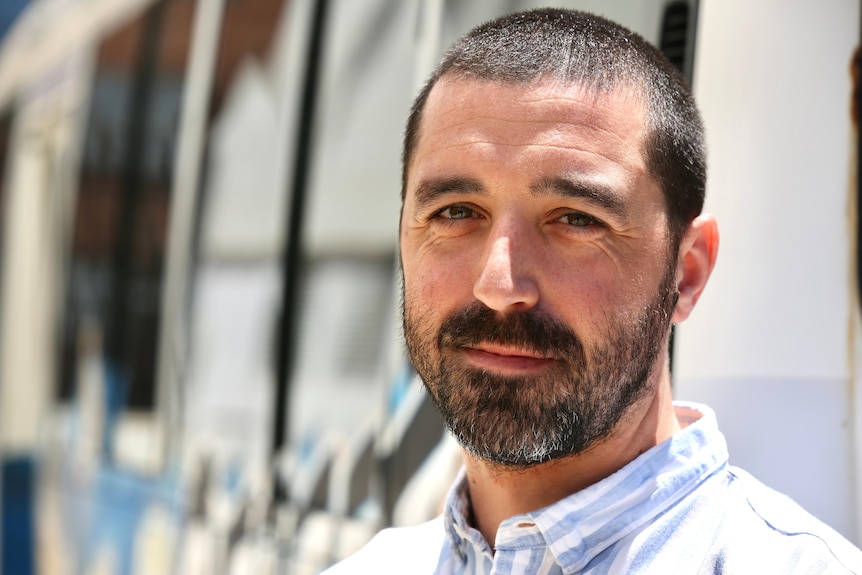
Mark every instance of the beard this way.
pixel 521 421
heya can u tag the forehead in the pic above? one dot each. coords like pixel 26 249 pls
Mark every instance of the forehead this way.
pixel 541 127
pixel 545 95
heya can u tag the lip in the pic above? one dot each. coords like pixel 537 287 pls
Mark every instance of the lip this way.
pixel 505 360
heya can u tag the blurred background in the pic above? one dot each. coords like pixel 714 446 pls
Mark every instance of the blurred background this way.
pixel 201 366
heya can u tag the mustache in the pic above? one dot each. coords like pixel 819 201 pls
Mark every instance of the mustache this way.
pixel 532 331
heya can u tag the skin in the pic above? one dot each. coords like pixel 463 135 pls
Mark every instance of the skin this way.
pixel 538 196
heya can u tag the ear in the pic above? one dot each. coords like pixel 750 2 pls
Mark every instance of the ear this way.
pixel 697 252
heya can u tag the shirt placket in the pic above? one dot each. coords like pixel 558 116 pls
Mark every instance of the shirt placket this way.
pixel 522 549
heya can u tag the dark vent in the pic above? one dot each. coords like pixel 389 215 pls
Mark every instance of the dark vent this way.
pixel 674 34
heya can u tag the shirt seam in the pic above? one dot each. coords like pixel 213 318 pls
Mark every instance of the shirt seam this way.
pixel 786 533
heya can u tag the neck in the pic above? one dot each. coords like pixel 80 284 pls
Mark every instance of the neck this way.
pixel 497 493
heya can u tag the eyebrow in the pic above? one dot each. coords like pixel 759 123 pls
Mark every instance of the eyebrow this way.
pixel 428 191
pixel 594 192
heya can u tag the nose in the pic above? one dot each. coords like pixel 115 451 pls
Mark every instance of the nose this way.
pixel 506 281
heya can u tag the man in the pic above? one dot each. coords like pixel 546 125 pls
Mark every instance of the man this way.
pixel 551 233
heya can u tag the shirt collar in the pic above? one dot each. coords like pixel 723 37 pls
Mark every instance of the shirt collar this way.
pixel 579 527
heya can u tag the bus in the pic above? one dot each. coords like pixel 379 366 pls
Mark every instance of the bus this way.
pixel 201 367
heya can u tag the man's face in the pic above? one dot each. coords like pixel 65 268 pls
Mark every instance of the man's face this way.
pixel 539 281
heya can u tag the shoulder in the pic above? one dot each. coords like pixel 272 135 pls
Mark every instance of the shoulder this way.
pixel 397 551
pixel 770 524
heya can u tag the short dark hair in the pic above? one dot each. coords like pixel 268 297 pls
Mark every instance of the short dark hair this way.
pixel 593 52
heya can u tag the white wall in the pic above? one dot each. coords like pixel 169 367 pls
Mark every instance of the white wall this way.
pixel 769 346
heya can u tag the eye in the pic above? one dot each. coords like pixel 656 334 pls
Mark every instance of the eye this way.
pixel 577 219
pixel 456 212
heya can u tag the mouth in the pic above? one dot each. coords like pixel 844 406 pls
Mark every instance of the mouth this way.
pixel 505 360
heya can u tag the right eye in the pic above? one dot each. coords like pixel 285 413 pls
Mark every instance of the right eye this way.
pixel 456 212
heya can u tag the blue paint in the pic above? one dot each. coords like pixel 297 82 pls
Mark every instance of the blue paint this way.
pixel 9 12
pixel 17 501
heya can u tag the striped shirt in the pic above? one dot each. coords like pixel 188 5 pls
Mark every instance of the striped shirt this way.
pixel 678 508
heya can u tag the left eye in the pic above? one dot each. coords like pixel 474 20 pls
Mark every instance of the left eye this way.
pixel 577 219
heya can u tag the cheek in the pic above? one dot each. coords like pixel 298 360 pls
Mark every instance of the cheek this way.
pixel 584 302
pixel 435 285
pixel 583 279
pixel 591 292
pixel 435 275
